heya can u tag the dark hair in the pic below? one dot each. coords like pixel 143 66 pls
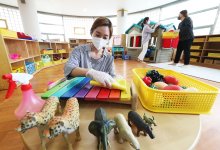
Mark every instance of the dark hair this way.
pixel 184 13
pixel 144 21
pixel 102 21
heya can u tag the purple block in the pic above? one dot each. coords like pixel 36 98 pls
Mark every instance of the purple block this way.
pixel 82 93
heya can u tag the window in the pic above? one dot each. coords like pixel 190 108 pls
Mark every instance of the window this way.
pixel 51 27
pixel 70 23
pixel 13 18
pixel 203 31
pixel 56 29
pixel 190 5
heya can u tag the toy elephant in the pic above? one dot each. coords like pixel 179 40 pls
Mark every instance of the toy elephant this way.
pixel 101 127
pixel 125 132
pixel 136 120
pixel 40 119
pixel 67 123
pixel 149 121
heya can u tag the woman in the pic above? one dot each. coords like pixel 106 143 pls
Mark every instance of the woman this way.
pixel 93 60
pixel 146 36
pixel 186 37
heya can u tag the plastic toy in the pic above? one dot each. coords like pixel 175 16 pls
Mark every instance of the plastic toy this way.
pixel 171 80
pixel 172 87
pixel 147 81
pixel 32 119
pixel 135 119
pixel 154 75
pixel 14 56
pixel 66 124
pixel 149 121
pixel 40 119
pixel 160 85
pixel 30 102
pixel 125 133
pixel 22 35
pixel 101 127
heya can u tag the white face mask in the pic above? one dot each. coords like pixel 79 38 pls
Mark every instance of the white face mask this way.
pixel 148 22
pixel 99 43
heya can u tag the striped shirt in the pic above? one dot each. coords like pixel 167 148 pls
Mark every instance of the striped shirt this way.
pixel 80 57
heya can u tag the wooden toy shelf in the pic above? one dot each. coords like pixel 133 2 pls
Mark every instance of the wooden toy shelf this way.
pixel 29 54
pixel 205 51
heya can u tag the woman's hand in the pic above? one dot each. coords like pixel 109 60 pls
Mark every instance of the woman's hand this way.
pixel 104 78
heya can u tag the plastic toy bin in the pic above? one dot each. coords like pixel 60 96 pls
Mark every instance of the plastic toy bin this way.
pixel 155 100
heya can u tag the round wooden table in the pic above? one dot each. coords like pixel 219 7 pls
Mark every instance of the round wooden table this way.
pixel 173 131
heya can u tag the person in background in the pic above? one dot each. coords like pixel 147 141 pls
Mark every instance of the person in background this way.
pixel 93 60
pixel 146 36
pixel 186 37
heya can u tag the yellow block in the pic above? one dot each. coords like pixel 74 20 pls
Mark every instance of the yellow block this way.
pixel 199 40
pixel 120 84
pixel 61 51
pixel 126 95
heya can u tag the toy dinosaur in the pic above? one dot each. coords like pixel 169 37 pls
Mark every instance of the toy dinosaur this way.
pixel 101 127
pixel 67 123
pixel 149 121
pixel 136 120
pixel 40 119
pixel 125 132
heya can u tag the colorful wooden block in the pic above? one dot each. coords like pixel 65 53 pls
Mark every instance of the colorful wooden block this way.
pixel 68 87
pixel 115 94
pixel 93 93
pixel 56 88
pixel 75 89
pixel 126 95
pixel 82 93
pixel 103 94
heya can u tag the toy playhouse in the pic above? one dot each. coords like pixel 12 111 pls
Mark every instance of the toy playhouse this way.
pixel 163 40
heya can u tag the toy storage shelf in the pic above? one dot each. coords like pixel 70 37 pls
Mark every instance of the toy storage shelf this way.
pixel 29 60
pixel 75 42
pixel 207 49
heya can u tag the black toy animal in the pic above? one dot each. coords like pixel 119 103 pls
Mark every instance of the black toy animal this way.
pixel 135 119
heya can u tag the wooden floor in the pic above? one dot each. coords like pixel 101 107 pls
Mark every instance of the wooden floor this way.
pixel 10 139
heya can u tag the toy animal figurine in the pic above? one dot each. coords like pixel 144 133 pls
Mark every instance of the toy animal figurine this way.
pixel 40 119
pixel 125 132
pixel 136 120
pixel 101 127
pixel 149 121
pixel 65 124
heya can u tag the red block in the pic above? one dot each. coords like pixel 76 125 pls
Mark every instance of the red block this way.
pixel 103 94
pixel 93 93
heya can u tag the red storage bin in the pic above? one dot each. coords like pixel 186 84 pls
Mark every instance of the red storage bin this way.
pixel 167 43
pixel 175 42
pixel 170 43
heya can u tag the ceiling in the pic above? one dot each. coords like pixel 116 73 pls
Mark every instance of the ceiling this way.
pixel 92 7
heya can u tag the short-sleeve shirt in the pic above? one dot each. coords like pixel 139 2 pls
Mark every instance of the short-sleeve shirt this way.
pixel 80 57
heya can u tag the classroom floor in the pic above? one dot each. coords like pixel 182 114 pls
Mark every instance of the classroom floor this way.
pixel 10 139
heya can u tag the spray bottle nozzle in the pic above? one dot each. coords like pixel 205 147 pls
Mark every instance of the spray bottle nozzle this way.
pixel 7 76
pixel 12 85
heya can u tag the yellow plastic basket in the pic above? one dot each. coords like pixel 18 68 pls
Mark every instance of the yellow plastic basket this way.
pixel 155 100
